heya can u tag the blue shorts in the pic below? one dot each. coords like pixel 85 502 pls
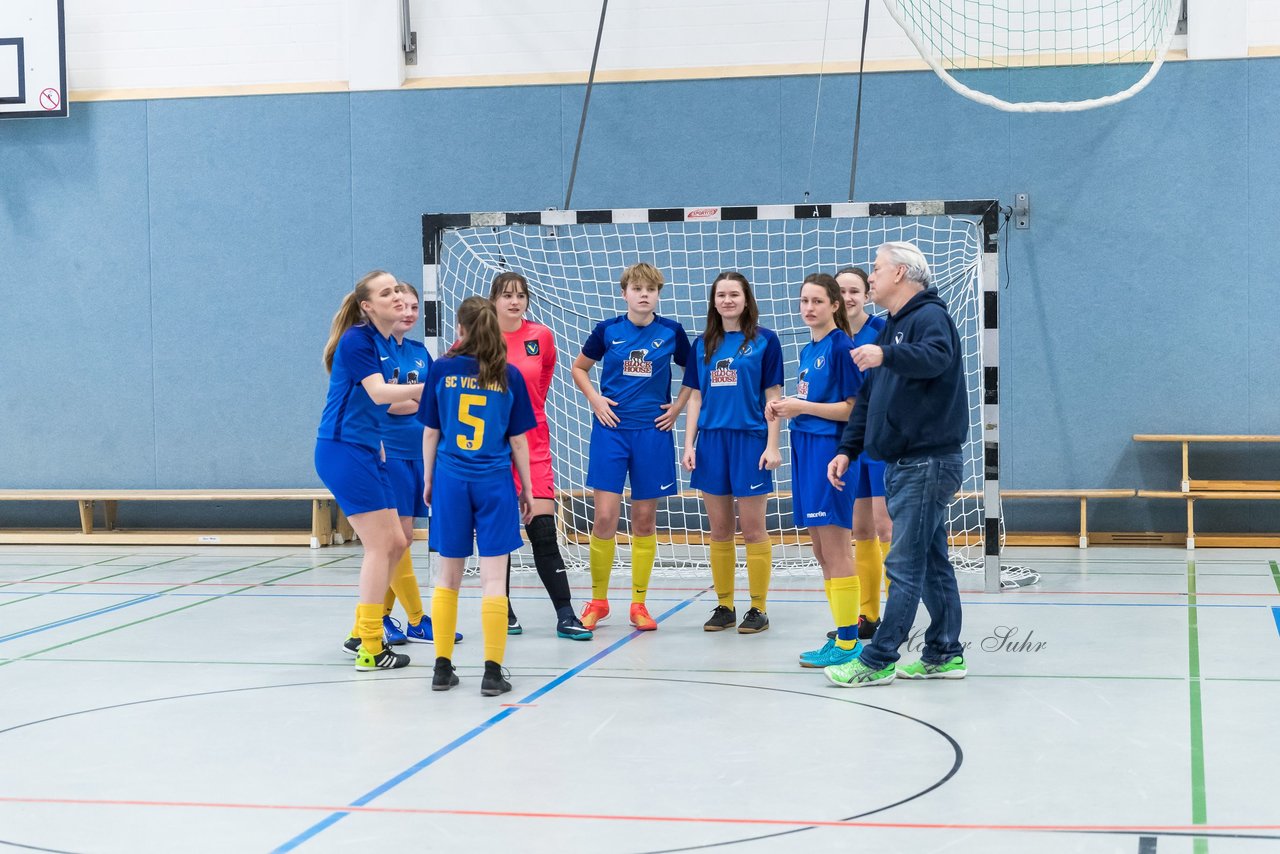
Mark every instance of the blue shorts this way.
pixel 355 475
pixel 728 463
pixel 406 485
pixel 463 511
pixel 814 501
pixel 869 477
pixel 647 454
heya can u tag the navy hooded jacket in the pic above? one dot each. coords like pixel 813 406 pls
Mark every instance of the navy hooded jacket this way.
pixel 914 404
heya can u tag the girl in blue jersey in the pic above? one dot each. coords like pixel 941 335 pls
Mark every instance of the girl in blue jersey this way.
pixel 631 433
pixel 826 385
pixel 736 369
pixel 349 455
pixel 476 411
pixel 402 442
pixel 872 529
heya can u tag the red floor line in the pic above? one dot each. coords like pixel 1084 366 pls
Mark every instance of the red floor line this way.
pixel 889 825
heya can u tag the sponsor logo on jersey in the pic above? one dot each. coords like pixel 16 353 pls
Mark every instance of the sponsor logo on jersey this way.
pixel 531 347
pixel 412 377
pixel 802 385
pixel 723 375
pixel 395 376
pixel 636 365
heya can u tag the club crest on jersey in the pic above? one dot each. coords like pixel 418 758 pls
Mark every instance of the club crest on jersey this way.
pixel 636 365
pixel 419 363
pixel 656 343
pixel 818 363
pixel 723 375
pixel 802 385
pixel 531 347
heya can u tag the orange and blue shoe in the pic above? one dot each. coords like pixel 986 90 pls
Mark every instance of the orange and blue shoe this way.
pixel 595 611
pixel 640 618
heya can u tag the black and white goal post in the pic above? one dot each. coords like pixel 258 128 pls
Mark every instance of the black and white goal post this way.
pixel 573 260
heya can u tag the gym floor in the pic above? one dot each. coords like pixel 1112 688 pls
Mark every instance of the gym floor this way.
pixel 166 699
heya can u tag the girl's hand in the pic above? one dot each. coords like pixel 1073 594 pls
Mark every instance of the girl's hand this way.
pixel 786 407
pixel 770 459
pixel 667 419
pixel 526 505
pixel 690 459
pixel 603 409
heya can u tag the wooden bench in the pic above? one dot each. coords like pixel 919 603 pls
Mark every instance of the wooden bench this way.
pixel 1082 495
pixel 322 531
pixel 1192 490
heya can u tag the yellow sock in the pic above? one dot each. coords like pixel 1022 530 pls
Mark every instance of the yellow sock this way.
pixel 759 566
pixel 601 565
pixel 643 552
pixel 844 606
pixel 884 553
pixel 369 626
pixel 723 557
pixel 404 585
pixel 493 623
pixel 826 585
pixel 389 601
pixel 444 619
pixel 869 564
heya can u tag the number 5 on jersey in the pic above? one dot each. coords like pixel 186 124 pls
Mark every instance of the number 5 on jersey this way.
pixel 475 422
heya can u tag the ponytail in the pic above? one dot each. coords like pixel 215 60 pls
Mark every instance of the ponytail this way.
pixel 349 314
pixel 484 341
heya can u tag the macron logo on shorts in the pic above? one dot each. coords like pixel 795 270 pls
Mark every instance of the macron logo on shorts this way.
pixel 821 514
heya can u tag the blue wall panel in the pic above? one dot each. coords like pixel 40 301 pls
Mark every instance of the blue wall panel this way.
pixel 453 150
pixel 675 144
pixel 76 393
pixel 226 230
pixel 251 252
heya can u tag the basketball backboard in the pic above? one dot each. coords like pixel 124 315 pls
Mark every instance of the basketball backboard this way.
pixel 33 59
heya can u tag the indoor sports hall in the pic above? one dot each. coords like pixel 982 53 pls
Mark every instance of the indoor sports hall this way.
pixel 190 190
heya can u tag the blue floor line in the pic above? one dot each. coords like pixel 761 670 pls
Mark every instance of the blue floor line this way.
pixel 1275 612
pixel 382 789
pixel 57 623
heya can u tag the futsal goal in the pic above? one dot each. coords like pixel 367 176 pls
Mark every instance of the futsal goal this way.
pixel 573 260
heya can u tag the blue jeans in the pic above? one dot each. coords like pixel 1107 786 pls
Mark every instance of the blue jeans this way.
pixel 917 492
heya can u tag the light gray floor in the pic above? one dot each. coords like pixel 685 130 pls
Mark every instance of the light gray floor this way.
pixel 197 700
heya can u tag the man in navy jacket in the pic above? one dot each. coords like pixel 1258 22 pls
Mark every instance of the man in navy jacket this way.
pixel 912 413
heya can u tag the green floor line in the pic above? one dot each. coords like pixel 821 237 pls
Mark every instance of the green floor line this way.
pixel 213 598
pixel 80 583
pixel 1199 812
pixel 1275 574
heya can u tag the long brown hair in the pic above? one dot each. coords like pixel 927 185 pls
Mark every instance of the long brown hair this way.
pixel 829 284
pixel 748 323
pixel 484 341
pixel 501 281
pixel 349 314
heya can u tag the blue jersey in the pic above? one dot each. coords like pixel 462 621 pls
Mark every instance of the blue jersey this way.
pixel 402 434
pixel 733 382
pixel 475 423
pixel 827 375
pixel 350 415
pixel 868 334
pixel 635 365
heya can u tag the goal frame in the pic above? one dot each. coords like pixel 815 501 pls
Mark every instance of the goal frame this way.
pixel 985 212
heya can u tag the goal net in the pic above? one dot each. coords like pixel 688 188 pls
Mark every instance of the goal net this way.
pixel 993 51
pixel 573 260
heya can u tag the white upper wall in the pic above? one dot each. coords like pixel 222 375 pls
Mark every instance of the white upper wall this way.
pixel 116 45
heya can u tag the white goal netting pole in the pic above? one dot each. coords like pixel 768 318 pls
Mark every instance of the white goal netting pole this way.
pixel 573 259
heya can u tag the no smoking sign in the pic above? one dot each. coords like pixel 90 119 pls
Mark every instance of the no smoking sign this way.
pixel 50 99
